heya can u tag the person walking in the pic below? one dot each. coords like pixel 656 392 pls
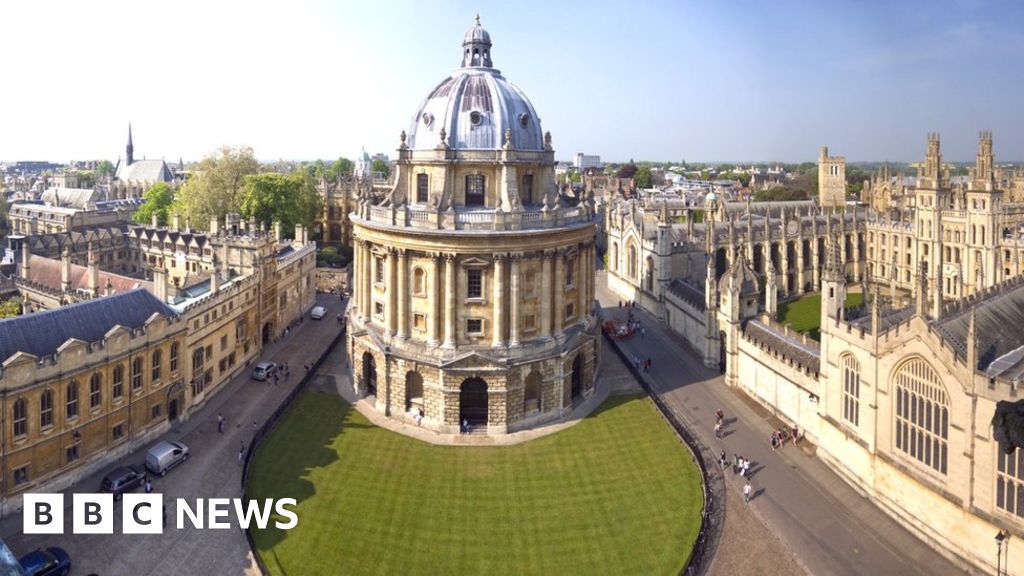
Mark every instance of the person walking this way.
pixel 746 492
pixel 720 416
pixel 746 467
pixel 743 467
pixel 148 486
pixel 241 451
pixel 718 430
pixel 220 423
pixel 723 460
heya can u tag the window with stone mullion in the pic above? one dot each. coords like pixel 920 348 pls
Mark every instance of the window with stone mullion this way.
pixel 1010 481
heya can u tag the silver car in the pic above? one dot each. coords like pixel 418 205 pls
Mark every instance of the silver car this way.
pixel 164 456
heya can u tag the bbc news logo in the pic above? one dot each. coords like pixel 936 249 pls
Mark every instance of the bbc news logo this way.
pixel 144 513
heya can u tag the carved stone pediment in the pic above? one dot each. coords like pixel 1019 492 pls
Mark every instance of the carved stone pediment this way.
pixel 474 361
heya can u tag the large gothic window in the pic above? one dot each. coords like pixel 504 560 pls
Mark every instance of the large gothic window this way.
pixel 1010 481
pixel 851 389
pixel 632 261
pixel 922 414
pixel 475 188
pixel 422 181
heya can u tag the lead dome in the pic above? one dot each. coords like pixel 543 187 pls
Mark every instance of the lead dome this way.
pixel 476 106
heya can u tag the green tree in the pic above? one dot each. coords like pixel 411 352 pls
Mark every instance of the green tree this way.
pixel 627 170
pixel 104 168
pixel 215 188
pixel 340 168
pixel 288 198
pixel 780 194
pixel 642 177
pixel 157 200
pixel 380 167
pixel 10 308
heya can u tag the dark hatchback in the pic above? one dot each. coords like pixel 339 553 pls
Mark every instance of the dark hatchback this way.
pixel 122 479
pixel 49 562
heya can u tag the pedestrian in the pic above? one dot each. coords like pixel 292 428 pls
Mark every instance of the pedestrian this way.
pixel 718 430
pixel 746 492
pixel 220 423
pixel 241 453
pixel 774 440
pixel 796 434
pixel 149 486
pixel 165 517
pixel 723 459
pixel 254 427
pixel 275 378
pixel 643 332
pixel 743 467
pixel 746 467
pixel 735 462
pixel 636 362
pixel 339 319
pixel 620 303
pixel 649 363
pixel 720 415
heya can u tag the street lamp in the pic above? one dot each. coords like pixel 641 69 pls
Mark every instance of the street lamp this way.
pixel 1000 537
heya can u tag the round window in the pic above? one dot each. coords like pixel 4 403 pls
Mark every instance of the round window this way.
pixel 524 119
pixel 428 118
pixel 475 118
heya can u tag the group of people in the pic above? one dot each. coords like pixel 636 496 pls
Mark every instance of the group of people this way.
pixel 782 435
pixel 644 365
pixel 627 304
pixel 740 465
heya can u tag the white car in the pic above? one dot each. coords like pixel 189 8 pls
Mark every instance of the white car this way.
pixel 318 312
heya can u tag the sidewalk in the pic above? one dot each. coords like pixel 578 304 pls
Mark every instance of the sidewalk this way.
pixel 212 471
pixel 828 526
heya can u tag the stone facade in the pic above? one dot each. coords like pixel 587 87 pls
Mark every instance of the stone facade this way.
pixel 831 179
pixel 473 277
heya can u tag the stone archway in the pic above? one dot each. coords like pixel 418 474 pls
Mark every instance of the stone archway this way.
pixel 473 402
pixel 531 393
pixel 267 333
pixel 576 381
pixel 413 391
pixel 369 373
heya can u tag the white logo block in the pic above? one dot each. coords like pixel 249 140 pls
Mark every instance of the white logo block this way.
pixel 43 513
pixel 142 514
pixel 93 514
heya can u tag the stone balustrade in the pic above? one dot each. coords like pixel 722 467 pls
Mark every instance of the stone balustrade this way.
pixel 484 219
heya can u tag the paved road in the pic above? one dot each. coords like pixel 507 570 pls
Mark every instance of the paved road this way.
pixel 830 528
pixel 213 471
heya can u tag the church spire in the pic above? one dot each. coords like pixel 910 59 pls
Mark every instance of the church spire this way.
pixel 130 149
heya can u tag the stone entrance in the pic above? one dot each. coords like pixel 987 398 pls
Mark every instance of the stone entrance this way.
pixel 369 373
pixel 473 402
pixel 577 377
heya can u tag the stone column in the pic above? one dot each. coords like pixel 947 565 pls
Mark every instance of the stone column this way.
pixel 367 286
pixel 559 316
pixel 357 271
pixel 450 291
pixel 433 332
pixel 582 262
pixel 391 293
pixel 403 294
pixel 545 294
pixel 513 305
pixel 498 320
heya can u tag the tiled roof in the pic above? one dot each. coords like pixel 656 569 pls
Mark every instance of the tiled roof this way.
pixel 47 271
pixel 143 171
pixel 42 333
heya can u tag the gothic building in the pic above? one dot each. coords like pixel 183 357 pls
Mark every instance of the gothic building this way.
pixel 474 277
pixel 133 177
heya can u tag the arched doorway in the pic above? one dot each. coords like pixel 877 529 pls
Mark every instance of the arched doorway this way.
pixel 413 391
pixel 473 402
pixel 577 377
pixel 266 333
pixel 369 373
pixel 721 352
pixel 531 393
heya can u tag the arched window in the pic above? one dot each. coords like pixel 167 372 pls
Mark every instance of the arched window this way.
pixel 95 390
pixel 531 393
pixel 851 389
pixel 20 417
pixel 155 365
pixel 422 188
pixel 419 281
pixel 649 273
pixel 46 409
pixel 137 373
pixel 476 186
pixel 632 261
pixel 922 414
pixel 174 357
pixel 614 260
pixel 526 193
pixel 72 400
pixel 117 387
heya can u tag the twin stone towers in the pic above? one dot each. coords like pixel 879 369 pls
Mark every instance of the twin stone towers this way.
pixel 473 291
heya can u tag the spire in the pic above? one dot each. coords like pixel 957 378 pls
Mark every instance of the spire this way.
pixel 130 149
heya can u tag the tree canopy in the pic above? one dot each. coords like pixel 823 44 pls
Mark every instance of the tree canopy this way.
pixel 10 308
pixel 216 187
pixel 628 170
pixel 380 167
pixel 289 198
pixel 340 168
pixel 157 200
pixel 642 177
pixel 781 193
pixel 104 168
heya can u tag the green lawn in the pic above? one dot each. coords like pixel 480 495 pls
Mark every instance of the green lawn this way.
pixel 804 314
pixel 615 494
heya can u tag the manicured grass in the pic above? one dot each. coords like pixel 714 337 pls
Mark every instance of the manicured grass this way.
pixel 615 494
pixel 804 314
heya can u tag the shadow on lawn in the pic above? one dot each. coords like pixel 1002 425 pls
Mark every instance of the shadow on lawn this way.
pixel 302 441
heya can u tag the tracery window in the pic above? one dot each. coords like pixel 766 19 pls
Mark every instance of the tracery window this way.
pixel 922 414
pixel 1010 481
pixel 851 389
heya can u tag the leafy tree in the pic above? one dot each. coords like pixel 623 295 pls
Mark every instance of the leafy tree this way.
pixel 642 177
pixel 289 198
pixel 86 179
pixel 10 308
pixel 104 168
pixel 627 170
pixel 380 167
pixel 340 168
pixel 216 187
pixel 157 200
pixel 781 194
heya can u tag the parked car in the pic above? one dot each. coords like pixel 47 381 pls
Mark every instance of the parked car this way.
pixel 164 456
pixel 122 479
pixel 318 312
pixel 52 561
pixel 264 370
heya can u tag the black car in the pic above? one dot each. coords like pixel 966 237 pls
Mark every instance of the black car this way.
pixel 122 479
pixel 49 562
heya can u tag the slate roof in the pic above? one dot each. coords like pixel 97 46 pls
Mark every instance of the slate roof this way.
pixel 47 271
pixel 998 323
pixel 790 347
pixel 688 293
pixel 143 171
pixel 42 333
pixel 80 198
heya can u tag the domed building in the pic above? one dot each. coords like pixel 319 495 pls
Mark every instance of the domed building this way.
pixel 474 276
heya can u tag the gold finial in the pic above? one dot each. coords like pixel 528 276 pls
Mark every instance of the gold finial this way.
pixel 478 19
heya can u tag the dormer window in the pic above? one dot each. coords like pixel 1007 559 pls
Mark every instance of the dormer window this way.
pixel 475 189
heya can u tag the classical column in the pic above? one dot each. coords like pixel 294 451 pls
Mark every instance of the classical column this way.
pixel 357 269
pixel 433 336
pixel 450 290
pixel 367 286
pixel 582 261
pixel 545 294
pixel 513 305
pixel 559 316
pixel 498 320
pixel 403 294
pixel 391 293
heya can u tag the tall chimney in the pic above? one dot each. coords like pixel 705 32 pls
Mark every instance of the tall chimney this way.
pixel 176 221
pixel 160 284
pixel 26 255
pixel 214 226
pixel 93 271
pixel 277 230
pixel 65 270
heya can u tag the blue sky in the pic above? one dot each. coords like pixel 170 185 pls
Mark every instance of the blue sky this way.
pixel 700 81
